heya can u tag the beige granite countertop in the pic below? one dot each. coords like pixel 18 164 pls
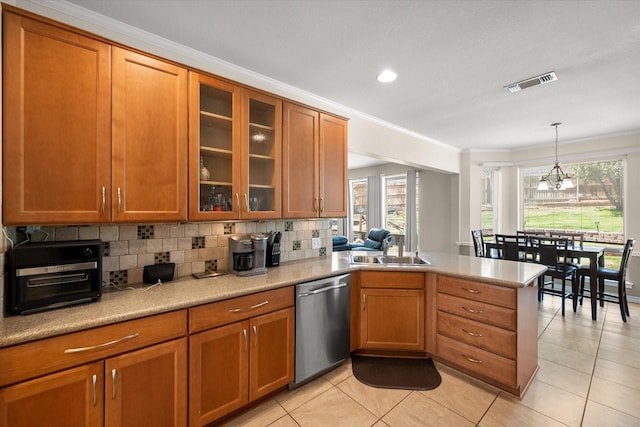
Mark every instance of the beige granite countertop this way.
pixel 117 306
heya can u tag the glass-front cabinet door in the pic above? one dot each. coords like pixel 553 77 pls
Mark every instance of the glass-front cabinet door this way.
pixel 261 142
pixel 214 154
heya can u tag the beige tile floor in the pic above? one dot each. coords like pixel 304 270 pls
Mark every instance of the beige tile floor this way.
pixel 589 376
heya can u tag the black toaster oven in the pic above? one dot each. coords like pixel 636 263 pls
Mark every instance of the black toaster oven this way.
pixel 47 275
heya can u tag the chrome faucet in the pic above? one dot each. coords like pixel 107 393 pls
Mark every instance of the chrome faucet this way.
pixel 385 247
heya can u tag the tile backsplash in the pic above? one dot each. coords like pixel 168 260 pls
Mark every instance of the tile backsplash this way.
pixel 193 247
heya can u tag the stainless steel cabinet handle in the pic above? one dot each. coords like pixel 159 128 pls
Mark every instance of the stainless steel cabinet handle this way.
pixel 472 291
pixel 244 333
pixel 316 206
pixel 237 310
pixel 255 336
pixel 364 302
pixel 119 200
pixel 94 381
pixel 104 198
pixel 473 334
pixel 106 344
pixel 471 359
pixel 113 384
pixel 238 201
pixel 321 204
pixel 246 202
pixel 471 310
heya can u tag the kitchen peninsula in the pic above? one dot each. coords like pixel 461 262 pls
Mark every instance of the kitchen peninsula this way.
pixel 494 300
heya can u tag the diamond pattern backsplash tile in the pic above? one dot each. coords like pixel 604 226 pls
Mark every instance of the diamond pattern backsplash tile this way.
pixel 145 231
pixel 288 226
pixel 106 247
pixel 297 245
pixel 197 242
pixel 230 228
pixel 323 251
pixel 211 265
pixel 118 278
pixel 162 257
pixel 315 233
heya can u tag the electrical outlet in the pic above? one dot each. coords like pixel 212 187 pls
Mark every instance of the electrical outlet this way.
pixel 316 242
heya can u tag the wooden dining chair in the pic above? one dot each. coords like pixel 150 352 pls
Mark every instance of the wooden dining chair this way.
pixel 512 247
pixel 478 243
pixel 552 253
pixel 576 240
pixel 619 276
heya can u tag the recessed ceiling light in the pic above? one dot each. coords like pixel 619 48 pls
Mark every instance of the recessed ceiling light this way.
pixel 387 76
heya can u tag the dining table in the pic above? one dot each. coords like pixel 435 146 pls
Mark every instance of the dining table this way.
pixel 595 254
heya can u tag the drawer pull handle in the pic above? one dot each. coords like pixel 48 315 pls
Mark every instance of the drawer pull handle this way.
pixel 238 310
pixel 473 334
pixel 471 310
pixel 113 384
pixel 472 291
pixel 471 359
pixel 94 380
pixel 119 200
pixel 106 344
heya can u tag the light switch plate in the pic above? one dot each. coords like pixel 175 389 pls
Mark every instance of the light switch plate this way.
pixel 316 242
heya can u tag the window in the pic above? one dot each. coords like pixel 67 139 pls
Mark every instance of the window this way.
pixel 594 207
pixel 488 210
pixel 359 207
pixel 395 209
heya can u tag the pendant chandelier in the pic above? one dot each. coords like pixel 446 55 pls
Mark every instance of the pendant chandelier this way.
pixel 556 179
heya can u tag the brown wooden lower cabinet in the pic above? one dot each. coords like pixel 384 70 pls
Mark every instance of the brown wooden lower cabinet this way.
pixel 234 364
pixel 144 387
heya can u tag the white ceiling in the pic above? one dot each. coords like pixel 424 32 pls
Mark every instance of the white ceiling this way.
pixel 453 59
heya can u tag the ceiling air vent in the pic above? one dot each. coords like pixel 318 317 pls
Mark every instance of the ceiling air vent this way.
pixel 534 81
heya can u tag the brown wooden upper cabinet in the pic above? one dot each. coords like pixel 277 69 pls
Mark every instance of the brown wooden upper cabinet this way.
pixel 235 144
pixel 57 125
pixel 84 142
pixel 314 163
pixel 149 126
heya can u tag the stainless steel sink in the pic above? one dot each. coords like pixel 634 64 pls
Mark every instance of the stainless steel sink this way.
pixel 404 260
pixel 388 260
pixel 364 259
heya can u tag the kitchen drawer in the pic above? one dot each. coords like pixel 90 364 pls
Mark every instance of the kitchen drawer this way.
pixel 392 279
pixel 482 363
pixel 487 337
pixel 232 310
pixel 42 357
pixel 482 312
pixel 492 294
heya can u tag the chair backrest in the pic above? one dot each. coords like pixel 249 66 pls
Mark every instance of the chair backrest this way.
pixel 552 251
pixel 576 240
pixel 624 262
pixel 512 247
pixel 478 242
pixel 530 233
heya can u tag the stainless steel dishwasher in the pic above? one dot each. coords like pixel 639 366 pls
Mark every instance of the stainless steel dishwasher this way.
pixel 322 326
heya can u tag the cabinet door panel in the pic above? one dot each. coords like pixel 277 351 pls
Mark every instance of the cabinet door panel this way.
pixel 67 398
pixel 261 155
pixel 272 348
pixel 214 148
pixel 392 319
pixel 218 372
pixel 149 139
pixel 148 386
pixel 333 166
pixel 299 162
pixel 57 111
